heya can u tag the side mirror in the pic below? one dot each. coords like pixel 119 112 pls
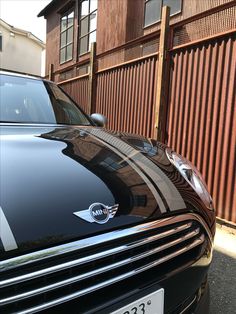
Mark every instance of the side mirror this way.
pixel 99 119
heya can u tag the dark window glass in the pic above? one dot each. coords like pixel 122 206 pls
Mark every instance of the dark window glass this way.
pixel 93 22
pixel 70 19
pixel 88 25
pixel 70 35
pixel 112 163
pixel 69 51
pixel 24 100
pixel 0 42
pixel 67 37
pixel 63 23
pixel 153 9
pixel 62 55
pixel 83 44
pixel 63 39
pixel 84 26
pixel 140 200
pixel 175 6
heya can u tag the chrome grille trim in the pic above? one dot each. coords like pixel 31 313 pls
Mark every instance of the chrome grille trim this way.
pixel 71 247
pixel 106 283
pixel 93 257
pixel 102 270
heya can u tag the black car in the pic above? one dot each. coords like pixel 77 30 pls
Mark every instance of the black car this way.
pixel 93 221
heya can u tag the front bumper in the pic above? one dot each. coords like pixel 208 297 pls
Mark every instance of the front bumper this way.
pixel 173 254
pixel 186 292
pixel 203 305
pixel 182 296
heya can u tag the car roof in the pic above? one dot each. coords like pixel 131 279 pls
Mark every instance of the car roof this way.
pixel 21 75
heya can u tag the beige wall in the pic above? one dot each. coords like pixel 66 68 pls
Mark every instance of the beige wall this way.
pixel 20 53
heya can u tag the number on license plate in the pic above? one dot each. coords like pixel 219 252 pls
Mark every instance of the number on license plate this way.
pixel 150 304
pixel 136 310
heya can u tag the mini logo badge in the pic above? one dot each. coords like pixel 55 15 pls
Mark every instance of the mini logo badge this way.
pixel 98 212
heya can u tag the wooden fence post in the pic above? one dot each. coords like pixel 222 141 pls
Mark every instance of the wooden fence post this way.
pixel 162 78
pixel 50 72
pixel 92 80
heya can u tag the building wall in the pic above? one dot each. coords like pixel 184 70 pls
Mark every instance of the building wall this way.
pixel 20 53
pixel 118 22
pixel 53 37
pixel 111 24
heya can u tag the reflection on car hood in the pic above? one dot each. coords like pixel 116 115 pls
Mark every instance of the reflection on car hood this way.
pixel 49 173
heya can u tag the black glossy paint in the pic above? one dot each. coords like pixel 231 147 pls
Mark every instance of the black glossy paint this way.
pixel 49 172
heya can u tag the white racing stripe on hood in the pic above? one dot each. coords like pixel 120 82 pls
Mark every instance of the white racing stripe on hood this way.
pixel 167 188
pixel 132 164
pixel 165 185
pixel 6 235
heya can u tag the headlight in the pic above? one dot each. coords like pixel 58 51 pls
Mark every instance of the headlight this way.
pixel 191 175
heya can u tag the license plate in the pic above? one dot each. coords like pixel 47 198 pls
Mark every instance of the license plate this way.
pixel 152 303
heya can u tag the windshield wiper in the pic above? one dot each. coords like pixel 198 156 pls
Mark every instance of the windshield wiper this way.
pixel 5 121
pixel 74 124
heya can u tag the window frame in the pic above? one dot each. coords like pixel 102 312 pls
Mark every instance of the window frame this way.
pixel 67 13
pixel 158 21
pixel 89 32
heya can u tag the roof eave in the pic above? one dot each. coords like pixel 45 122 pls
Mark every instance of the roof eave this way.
pixel 47 8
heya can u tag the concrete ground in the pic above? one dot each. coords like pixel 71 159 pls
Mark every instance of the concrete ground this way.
pixel 222 275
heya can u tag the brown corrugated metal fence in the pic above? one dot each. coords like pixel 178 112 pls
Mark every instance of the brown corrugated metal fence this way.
pixel 202 115
pixel 125 95
pixel 78 89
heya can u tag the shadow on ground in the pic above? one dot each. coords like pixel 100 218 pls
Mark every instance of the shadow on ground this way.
pixel 222 278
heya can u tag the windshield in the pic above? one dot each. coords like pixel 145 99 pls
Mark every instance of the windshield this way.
pixel 26 100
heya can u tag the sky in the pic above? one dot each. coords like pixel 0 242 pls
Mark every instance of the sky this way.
pixel 23 14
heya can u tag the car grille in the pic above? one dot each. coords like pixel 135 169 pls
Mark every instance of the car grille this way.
pixel 53 276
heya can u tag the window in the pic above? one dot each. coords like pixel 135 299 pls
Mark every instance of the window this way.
pixel 0 42
pixel 26 100
pixel 140 200
pixel 153 9
pixel 88 25
pixel 112 163
pixel 67 36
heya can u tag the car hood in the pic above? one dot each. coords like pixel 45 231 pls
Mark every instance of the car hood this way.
pixel 51 174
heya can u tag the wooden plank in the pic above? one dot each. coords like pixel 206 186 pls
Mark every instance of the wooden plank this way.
pixel 161 88
pixel 92 80
pixel 50 72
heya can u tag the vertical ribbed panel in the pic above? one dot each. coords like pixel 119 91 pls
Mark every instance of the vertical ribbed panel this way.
pixel 125 95
pixel 202 116
pixel 78 90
